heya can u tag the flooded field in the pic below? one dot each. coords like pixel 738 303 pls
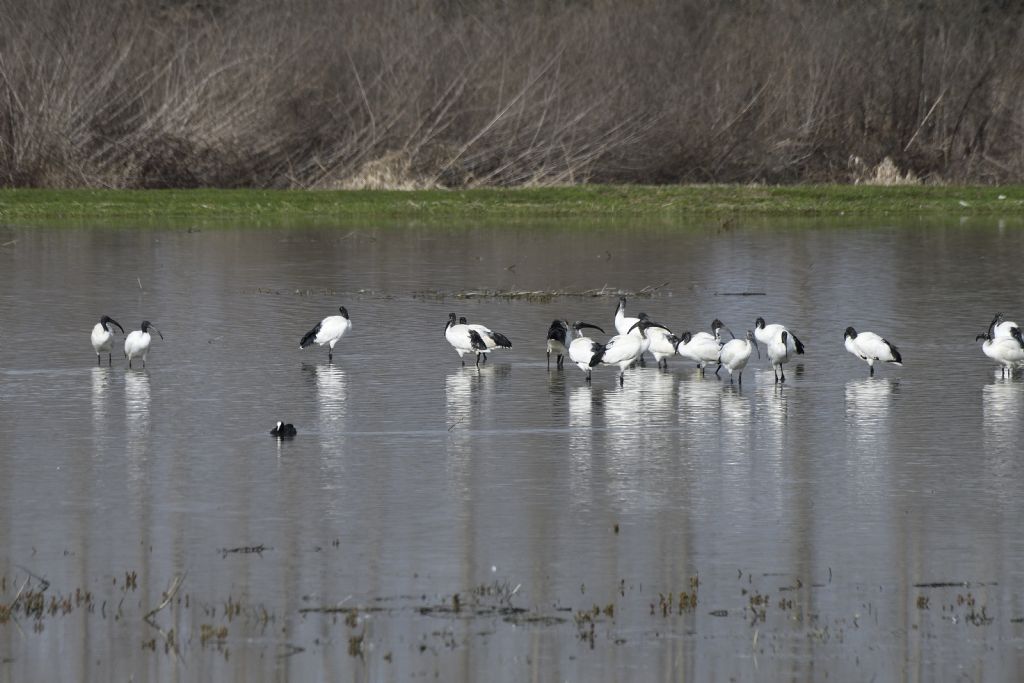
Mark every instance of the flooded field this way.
pixel 434 521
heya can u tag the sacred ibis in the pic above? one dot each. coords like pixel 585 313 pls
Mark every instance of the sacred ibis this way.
pixel 778 353
pixel 766 333
pixel 137 342
pixel 621 350
pixel 660 340
pixel 282 430
pixel 1007 351
pixel 735 354
pixel 582 349
pixel 701 348
pixel 103 337
pixel 559 339
pixel 869 347
pixel 328 331
pixel 463 339
pixel 492 340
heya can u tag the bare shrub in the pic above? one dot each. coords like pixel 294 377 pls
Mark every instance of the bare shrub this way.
pixel 464 93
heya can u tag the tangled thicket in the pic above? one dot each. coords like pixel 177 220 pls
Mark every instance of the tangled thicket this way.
pixel 422 93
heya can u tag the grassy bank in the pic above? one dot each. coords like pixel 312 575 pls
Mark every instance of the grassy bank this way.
pixel 582 202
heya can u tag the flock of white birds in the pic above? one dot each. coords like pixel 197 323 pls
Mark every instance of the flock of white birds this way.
pixel 1002 342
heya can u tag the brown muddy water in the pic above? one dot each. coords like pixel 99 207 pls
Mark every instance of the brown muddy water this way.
pixel 437 522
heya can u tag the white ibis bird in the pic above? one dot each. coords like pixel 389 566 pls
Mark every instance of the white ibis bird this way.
pixel 283 431
pixel 103 337
pixel 328 331
pixel 660 340
pixel 735 354
pixel 999 327
pixel 464 339
pixel 1007 351
pixel 137 342
pixel 778 353
pixel 624 324
pixel 559 339
pixel 701 348
pixel 492 340
pixel 582 349
pixel 766 333
pixel 869 347
pixel 622 350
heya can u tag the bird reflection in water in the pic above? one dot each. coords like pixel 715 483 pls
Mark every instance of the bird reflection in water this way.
pixel 136 405
pixel 100 388
pixel 868 406
pixel 1001 414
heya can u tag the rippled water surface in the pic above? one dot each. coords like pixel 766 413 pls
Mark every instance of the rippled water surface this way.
pixel 437 521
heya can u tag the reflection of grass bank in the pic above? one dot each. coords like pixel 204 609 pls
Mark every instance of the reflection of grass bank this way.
pixel 592 201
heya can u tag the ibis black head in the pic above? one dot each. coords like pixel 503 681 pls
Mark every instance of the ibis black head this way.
pixel 785 337
pixel 759 323
pixel 451 319
pixel 716 325
pixel 107 319
pixel 578 325
pixel 344 312
pixel 621 306
pixel 642 325
pixel 1016 334
pixel 983 335
pixel 146 326
pixel 685 337
pixel 850 332
pixel 750 335
pixel 462 320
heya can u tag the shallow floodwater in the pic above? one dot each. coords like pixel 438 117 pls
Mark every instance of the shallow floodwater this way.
pixel 509 523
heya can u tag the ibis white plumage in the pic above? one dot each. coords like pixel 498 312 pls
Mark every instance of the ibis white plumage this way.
pixel 735 354
pixel 103 337
pixel 137 342
pixel 778 353
pixel 870 347
pixel 1007 351
pixel 621 350
pixel 765 334
pixel 492 340
pixel 702 348
pixel 660 340
pixel 1000 328
pixel 583 348
pixel 328 331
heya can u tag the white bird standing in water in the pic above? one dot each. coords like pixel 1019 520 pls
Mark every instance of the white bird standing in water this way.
pixel 660 340
pixel 766 333
pixel 621 350
pixel 701 348
pixel 778 353
pixel 736 353
pixel 103 337
pixel 1007 351
pixel 559 339
pixel 624 324
pixel 137 342
pixel 328 331
pixel 869 347
pixel 582 349
pixel 492 340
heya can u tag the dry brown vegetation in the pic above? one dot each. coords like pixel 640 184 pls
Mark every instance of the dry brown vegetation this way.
pixel 423 93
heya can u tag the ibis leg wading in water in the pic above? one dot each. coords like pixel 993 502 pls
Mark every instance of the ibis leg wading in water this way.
pixel 1007 351
pixel 765 334
pixel 870 347
pixel 328 331
pixel 559 339
pixel 735 354
pixel 103 338
pixel 582 349
pixel 137 342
